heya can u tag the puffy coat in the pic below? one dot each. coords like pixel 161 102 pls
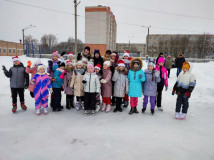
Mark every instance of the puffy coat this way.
pixel 92 84
pixel 33 71
pixel 150 87
pixel 18 77
pixel 77 82
pixel 135 86
pixel 106 88
pixel 67 82
pixel 164 76
pixel 168 63
pixel 58 81
pixel 121 84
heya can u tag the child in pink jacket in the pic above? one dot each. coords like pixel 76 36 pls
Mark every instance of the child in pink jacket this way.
pixel 164 81
pixel 32 70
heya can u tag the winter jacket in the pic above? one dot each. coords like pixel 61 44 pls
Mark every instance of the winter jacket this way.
pixel 76 82
pixel 127 64
pixel 135 86
pixel 58 82
pixel 92 84
pixel 42 84
pixel 150 87
pixel 18 77
pixel 33 71
pixel 121 84
pixel 50 68
pixel 179 62
pixel 163 75
pixel 67 82
pixel 106 88
pixel 185 83
pixel 168 63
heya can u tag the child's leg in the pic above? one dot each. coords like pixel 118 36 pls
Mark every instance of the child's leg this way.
pixel 159 95
pixel 82 102
pixel 132 101
pixel 38 101
pixel 57 99
pixel 21 97
pixel 71 101
pixel 145 101
pixel 108 100
pixel 92 105
pixel 135 101
pixel 45 103
pixel 14 92
pixel 185 105
pixel 178 104
pixel 87 101
pixel 78 101
pixel 152 102
pixel 104 103
pixel 68 101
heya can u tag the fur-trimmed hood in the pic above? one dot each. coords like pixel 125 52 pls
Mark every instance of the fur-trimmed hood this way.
pixel 69 69
pixel 124 71
pixel 132 63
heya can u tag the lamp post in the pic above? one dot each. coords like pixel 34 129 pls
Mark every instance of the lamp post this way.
pixel 147 40
pixel 129 42
pixel 23 34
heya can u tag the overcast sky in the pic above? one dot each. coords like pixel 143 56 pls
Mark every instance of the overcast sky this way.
pixel 157 13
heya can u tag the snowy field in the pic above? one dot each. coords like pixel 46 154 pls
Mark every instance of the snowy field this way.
pixel 70 135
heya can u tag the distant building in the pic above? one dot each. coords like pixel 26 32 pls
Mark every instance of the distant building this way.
pixel 10 48
pixel 132 47
pixel 100 28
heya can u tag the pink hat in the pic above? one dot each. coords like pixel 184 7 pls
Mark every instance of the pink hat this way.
pixel 90 66
pixel 161 59
pixel 16 58
pixel 126 53
pixel 55 53
pixel 121 63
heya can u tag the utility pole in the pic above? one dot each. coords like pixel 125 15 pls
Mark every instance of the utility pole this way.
pixel 147 41
pixel 75 15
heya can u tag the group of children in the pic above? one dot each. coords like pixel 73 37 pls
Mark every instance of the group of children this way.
pixel 115 80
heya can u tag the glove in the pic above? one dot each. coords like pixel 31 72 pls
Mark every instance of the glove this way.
pixel 63 53
pixel 4 68
pixel 97 95
pixel 166 88
pixel 157 74
pixel 29 63
pixel 84 81
pixel 186 95
pixel 103 81
pixel 173 91
pixel 51 91
pixel 53 80
pixel 140 76
pixel 26 85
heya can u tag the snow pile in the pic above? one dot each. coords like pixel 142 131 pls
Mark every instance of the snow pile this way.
pixel 119 136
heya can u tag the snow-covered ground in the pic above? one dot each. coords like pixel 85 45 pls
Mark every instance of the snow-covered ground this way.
pixel 70 135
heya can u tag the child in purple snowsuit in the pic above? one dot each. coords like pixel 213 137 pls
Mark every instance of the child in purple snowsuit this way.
pixel 41 84
pixel 150 86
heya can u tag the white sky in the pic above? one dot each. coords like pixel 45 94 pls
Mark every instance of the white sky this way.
pixel 14 17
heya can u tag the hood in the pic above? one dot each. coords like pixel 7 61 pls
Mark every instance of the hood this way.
pixel 136 59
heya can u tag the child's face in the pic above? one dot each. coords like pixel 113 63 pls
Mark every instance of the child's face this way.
pixel 62 67
pixel 55 58
pixel 41 70
pixel 107 55
pixel 70 58
pixel 97 55
pixel 79 66
pixel 161 64
pixel 86 52
pixel 105 66
pixel 97 70
pixel 135 65
pixel 84 62
pixel 16 63
pixel 184 70
pixel 113 57
pixel 121 68
pixel 126 57
pixel 150 67
pixel 69 66
pixel 90 70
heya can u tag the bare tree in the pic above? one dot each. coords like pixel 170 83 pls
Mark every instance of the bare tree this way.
pixel 49 40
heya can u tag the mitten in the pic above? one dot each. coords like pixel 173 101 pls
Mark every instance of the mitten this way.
pixel 84 81
pixel 29 63
pixel 4 68
pixel 103 81
pixel 173 91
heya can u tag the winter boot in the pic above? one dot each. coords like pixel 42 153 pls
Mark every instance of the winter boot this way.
pixel 143 110
pixel 104 107
pixel 82 105
pixel 68 104
pixel 108 108
pixel 119 109
pixel 183 116
pixel 45 110
pixel 72 102
pixel 177 115
pixel 132 110
pixel 126 103
pixel 152 111
pixel 160 109
pixel 24 107
pixel 135 110
pixel 38 112
pixel 78 106
pixel 14 108
pixel 116 109
pixel 97 108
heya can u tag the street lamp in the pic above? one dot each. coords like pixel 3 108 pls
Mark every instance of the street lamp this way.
pixel 23 34
pixel 147 40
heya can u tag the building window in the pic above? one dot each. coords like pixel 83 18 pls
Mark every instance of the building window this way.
pixel 14 50
pixel 5 50
pixel 10 50
pixel 18 51
pixel 21 50
pixel 0 50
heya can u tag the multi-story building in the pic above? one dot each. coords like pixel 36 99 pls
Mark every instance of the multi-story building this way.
pixel 100 28
pixel 10 48
pixel 132 47
pixel 197 45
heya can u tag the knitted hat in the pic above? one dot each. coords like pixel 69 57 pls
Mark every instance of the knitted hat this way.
pixel 40 65
pixel 79 63
pixel 151 64
pixel 96 51
pixel 69 62
pixel 186 66
pixel 70 54
pixel 87 47
pixel 113 54
pixel 55 53
pixel 120 63
pixel 84 60
pixel 90 66
pixel 126 53
pixel 98 66
pixel 161 59
pixel 16 58
pixel 108 63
